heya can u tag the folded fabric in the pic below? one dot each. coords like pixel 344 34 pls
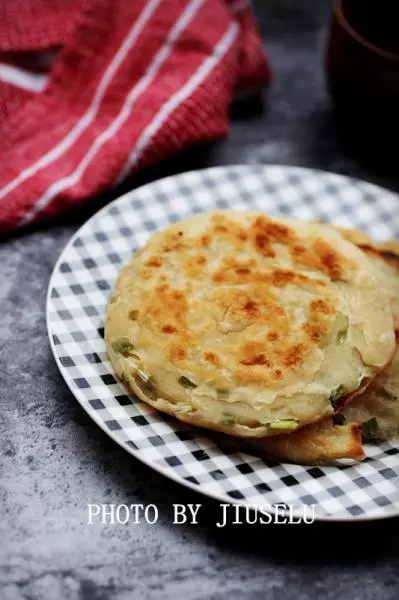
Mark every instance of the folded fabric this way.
pixel 133 82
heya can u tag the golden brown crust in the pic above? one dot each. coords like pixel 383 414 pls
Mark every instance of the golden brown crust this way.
pixel 380 401
pixel 279 315
pixel 378 397
pixel 388 249
pixel 356 236
pixel 384 256
pixel 317 443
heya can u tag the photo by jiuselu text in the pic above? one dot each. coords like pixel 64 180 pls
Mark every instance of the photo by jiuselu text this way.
pixel 229 514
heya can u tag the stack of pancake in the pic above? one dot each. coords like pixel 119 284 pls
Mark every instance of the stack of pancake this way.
pixel 276 331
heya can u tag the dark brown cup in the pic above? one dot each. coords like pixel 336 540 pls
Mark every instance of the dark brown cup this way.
pixel 363 80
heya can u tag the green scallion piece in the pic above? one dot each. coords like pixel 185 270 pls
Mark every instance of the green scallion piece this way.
pixel 187 383
pixel 336 395
pixel 143 376
pixel 342 335
pixel 122 345
pixel 371 431
pixel 124 377
pixel 287 424
pixel 227 419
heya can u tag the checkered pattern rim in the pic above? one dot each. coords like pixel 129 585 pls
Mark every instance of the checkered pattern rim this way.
pixel 214 465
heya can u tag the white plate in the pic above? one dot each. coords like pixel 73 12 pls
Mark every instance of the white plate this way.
pixel 210 463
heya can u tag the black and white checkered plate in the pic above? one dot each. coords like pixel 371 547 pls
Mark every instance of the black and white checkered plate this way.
pixel 214 465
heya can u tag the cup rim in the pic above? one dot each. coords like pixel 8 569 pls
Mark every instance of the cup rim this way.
pixel 340 16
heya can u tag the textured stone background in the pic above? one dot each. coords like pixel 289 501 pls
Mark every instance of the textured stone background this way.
pixel 54 459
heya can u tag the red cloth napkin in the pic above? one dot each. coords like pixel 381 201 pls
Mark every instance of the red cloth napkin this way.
pixel 134 81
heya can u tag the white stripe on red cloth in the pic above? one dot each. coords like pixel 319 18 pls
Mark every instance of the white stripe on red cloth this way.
pixel 88 117
pixel 33 82
pixel 180 96
pixel 135 92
